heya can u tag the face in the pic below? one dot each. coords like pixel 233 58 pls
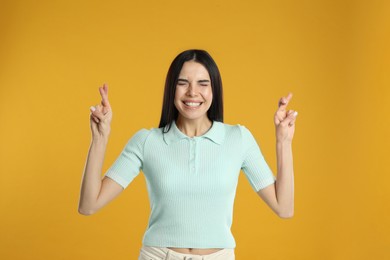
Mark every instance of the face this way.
pixel 193 94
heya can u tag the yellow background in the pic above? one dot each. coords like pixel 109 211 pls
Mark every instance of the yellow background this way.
pixel 332 55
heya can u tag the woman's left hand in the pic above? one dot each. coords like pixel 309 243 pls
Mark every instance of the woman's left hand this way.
pixel 285 120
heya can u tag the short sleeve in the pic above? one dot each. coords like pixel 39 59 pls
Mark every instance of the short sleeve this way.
pixel 254 165
pixel 129 163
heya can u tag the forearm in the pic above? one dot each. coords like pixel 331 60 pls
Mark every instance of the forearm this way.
pixel 91 180
pixel 285 179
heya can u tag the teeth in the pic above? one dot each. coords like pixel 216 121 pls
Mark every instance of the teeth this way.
pixel 192 104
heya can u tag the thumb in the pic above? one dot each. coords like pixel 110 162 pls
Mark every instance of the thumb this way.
pixel 97 111
pixel 290 119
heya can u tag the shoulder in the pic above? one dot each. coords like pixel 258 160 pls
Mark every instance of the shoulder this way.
pixel 242 134
pixel 141 135
pixel 147 131
pixel 149 135
pixel 235 129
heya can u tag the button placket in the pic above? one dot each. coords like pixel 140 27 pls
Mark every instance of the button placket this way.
pixel 196 155
pixel 192 155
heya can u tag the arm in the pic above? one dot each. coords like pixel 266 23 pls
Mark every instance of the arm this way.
pixel 280 195
pixel 96 193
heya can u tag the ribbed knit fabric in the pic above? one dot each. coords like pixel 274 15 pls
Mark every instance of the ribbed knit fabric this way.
pixel 192 182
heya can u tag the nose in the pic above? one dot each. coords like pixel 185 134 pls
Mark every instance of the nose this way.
pixel 191 90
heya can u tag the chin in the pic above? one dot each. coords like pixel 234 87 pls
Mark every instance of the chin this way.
pixel 192 116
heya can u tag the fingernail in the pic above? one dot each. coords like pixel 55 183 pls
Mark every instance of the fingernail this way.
pixel 92 108
pixel 295 113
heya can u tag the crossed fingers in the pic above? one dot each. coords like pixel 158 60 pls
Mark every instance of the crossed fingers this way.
pixel 99 111
pixel 104 94
pixel 283 102
pixel 281 114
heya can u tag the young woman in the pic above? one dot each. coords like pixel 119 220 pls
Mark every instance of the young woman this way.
pixel 191 163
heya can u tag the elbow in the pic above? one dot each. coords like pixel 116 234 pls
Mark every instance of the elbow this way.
pixel 286 215
pixel 88 208
pixel 86 211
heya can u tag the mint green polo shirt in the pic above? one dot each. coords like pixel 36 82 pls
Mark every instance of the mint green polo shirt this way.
pixel 192 181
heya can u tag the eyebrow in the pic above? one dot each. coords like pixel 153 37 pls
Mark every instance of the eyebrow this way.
pixel 199 81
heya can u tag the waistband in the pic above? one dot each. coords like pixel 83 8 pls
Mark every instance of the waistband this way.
pixel 168 254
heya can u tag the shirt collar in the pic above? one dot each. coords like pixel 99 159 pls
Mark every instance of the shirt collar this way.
pixel 216 133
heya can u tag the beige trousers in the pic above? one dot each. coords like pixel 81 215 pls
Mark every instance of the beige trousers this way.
pixel 164 253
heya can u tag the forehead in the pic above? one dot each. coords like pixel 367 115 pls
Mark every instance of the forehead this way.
pixel 192 69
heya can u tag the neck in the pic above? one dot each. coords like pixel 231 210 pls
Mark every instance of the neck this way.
pixel 193 127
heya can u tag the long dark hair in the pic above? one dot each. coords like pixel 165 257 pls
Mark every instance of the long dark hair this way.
pixel 169 111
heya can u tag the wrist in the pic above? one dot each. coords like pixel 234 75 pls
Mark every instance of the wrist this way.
pixel 100 139
pixel 283 142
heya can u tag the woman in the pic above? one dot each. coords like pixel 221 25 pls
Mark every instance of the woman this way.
pixel 191 163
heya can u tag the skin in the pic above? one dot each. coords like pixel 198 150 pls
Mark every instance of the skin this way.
pixel 96 193
pixel 194 84
pixel 280 196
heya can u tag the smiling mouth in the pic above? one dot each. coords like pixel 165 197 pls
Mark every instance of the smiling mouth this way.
pixel 192 104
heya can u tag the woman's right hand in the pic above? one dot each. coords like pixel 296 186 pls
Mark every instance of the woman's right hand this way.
pixel 101 116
